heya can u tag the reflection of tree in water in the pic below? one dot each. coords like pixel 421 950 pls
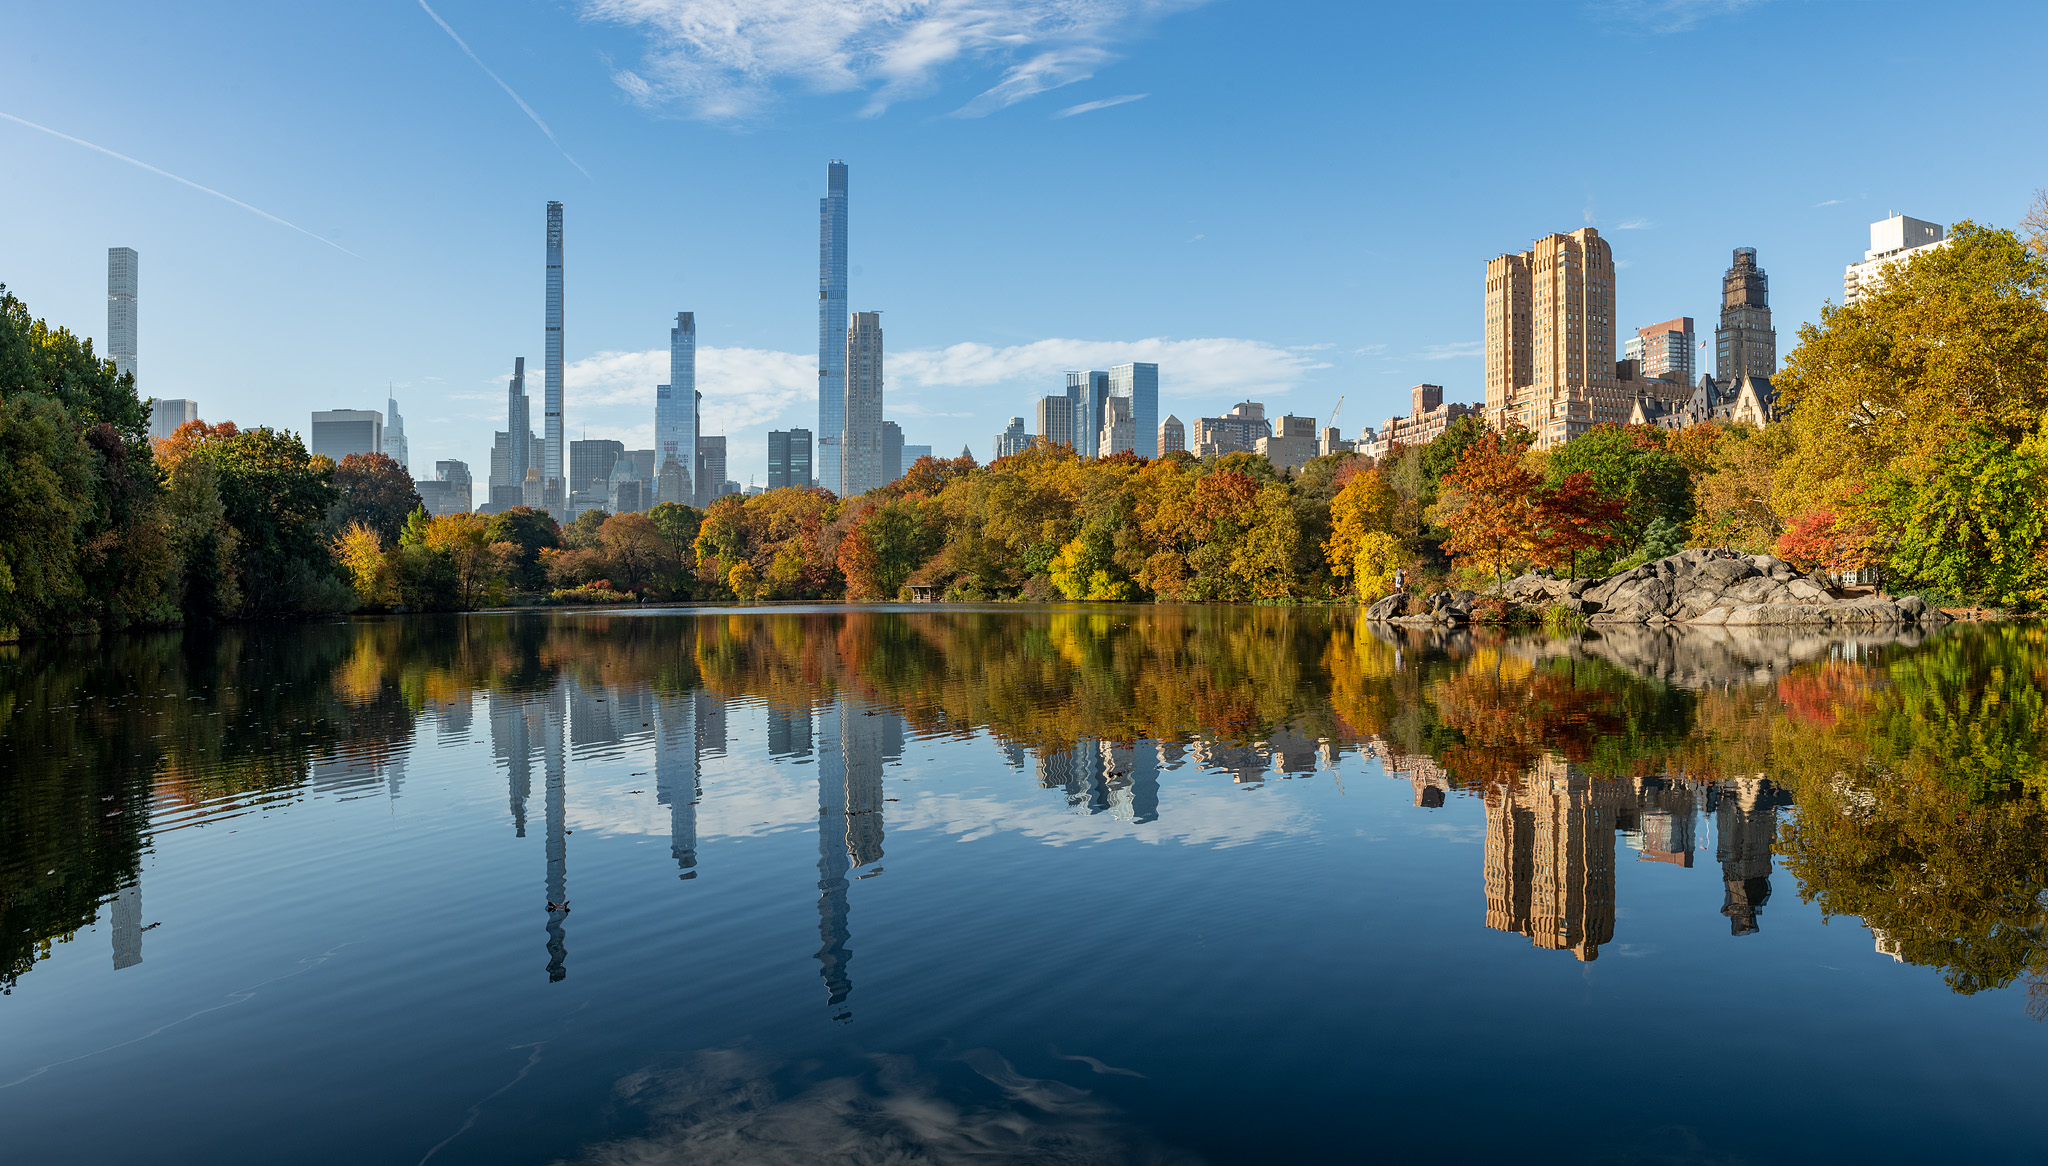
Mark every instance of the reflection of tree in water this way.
pixel 735 1106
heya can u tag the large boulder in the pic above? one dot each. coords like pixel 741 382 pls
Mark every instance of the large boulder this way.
pixel 1392 607
pixel 1720 588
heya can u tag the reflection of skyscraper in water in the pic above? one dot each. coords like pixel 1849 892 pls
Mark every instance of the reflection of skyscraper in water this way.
pixel 553 764
pixel 710 725
pixel 591 724
pixel 675 776
pixel 789 732
pixel 1134 782
pixel 854 744
pixel 1079 772
pixel 128 923
pixel 1660 824
pixel 1746 820
pixel 512 736
pixel 1550 859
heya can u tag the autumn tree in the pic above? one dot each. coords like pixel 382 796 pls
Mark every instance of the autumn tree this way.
pixel 1632 465
pixel 1573 518
pixel 1487 506
pixel 529 532
pixel 1364 507
pixel 374 490
pixel 633 549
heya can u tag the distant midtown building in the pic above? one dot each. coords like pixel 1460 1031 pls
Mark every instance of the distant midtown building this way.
pixel 553 493
pixel 1087 393
pixel 1893 240
pixel 1173 436
pixel 892 451
pixel 675 413
pixel 711 481
pixel 520 456
pixel 1292 445
pixel 122 283
pixel 860 443
pixel 1550 338
pixel 591 463
pixel 1138 383
pixel 1240 429
pixel 449 490
pixel 505 488
pixel 394 435
pixel 1012 440
pixel 165 415
pixel 1428 416
pixel 1745 345
pixel 912 453
pixel 832 337
pixel 626 492
pixel 789 459
pixel 1119 428
pixel 1663 350
pixel 337 433
pixel 1055 420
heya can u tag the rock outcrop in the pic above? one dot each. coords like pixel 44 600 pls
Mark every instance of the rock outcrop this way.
pixel 1716 588
pixel 1441 609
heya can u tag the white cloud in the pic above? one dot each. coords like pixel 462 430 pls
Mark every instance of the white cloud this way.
pixel 1633 225
pixel 1666 16
pixel 1370 350
pixel 1830 202
pixel 724 60
pixel 1105 103
pixel 1458 351
pixel 742 387
pixel 1206 367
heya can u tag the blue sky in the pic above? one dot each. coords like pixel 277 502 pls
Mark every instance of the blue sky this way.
pixel 1288 201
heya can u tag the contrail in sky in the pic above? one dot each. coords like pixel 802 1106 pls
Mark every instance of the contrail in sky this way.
pixel 501 84
pixel 174 178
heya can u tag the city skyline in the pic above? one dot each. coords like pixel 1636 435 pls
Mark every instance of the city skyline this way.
pixel 438 298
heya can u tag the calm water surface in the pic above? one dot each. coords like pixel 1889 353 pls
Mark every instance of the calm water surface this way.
pixel 1020 884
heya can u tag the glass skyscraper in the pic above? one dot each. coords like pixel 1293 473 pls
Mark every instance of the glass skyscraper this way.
pixel 554 495
pixel 1087 393
pixel 675 415
pixel 122 263
pixel 861 467
pixel 831 324
pixel 1140 384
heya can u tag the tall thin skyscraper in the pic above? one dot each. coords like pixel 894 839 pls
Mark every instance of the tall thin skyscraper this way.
pixel 519 427
pixel 121 285
pixel 551 471
pixel 1087 395
pixel 394 434
pixel 860 442
pixel 675 415
pixel 1139 383
pixel 1745 345
pixel 831 323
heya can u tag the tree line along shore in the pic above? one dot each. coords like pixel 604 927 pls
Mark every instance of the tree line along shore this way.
pixel 1910 448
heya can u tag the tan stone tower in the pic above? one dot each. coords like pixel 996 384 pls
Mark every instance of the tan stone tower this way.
pixel 1550 338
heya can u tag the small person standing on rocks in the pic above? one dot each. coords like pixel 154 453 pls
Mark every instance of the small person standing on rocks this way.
pixel 1400 580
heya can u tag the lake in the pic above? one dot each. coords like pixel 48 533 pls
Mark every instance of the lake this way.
pixel 1039 884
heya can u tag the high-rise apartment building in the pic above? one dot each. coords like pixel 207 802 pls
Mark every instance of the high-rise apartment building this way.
pixel 448 492
pixel 1055 420
pixel 394 434
pixel 1663 351
pixel 1550 338
pixel 1012 440
pixel 832 309
pixel 860 443
pixel 1086 392
pixel 1896 239
pixel 912 454
pixel 892 451
pixel 1138 383
pixel 675 413
pixel 789 458
pixel 1240 429
pixel 1745 345
pixel 710 469
pixel 337 433
pixel 1292 445
pixel 519 424
pixel 1173 436
pixel 590 467
pixel 122 263
pixel 165 415
pixel 554 495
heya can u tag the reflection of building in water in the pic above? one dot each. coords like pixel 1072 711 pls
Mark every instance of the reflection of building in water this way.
pixel 1431 781
pixel 1746 820
pixel 1660 823
pixel 1078 772
pixel 789 732
pixel 1133 781
pixel 1550 859
pixel 677 783
pixel 710 725
pixel 513 730
pixel 128 923
pixel 854 744
pixel 553 765
pixel 1244 763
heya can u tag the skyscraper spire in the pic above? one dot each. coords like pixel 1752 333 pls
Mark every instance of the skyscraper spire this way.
pixel 831 323
pixel 675 415
pixel 555 498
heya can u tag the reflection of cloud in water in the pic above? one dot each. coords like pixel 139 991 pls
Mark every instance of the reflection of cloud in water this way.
pixel 1188 812
pixel 733 1106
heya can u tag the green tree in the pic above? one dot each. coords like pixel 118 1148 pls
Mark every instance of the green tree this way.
pixel 529 532
pixel 1630 465
pixel 1977 526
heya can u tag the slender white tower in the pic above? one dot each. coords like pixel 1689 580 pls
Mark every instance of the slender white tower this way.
pixel 551 468
pixel 121 264
pixel 831 324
